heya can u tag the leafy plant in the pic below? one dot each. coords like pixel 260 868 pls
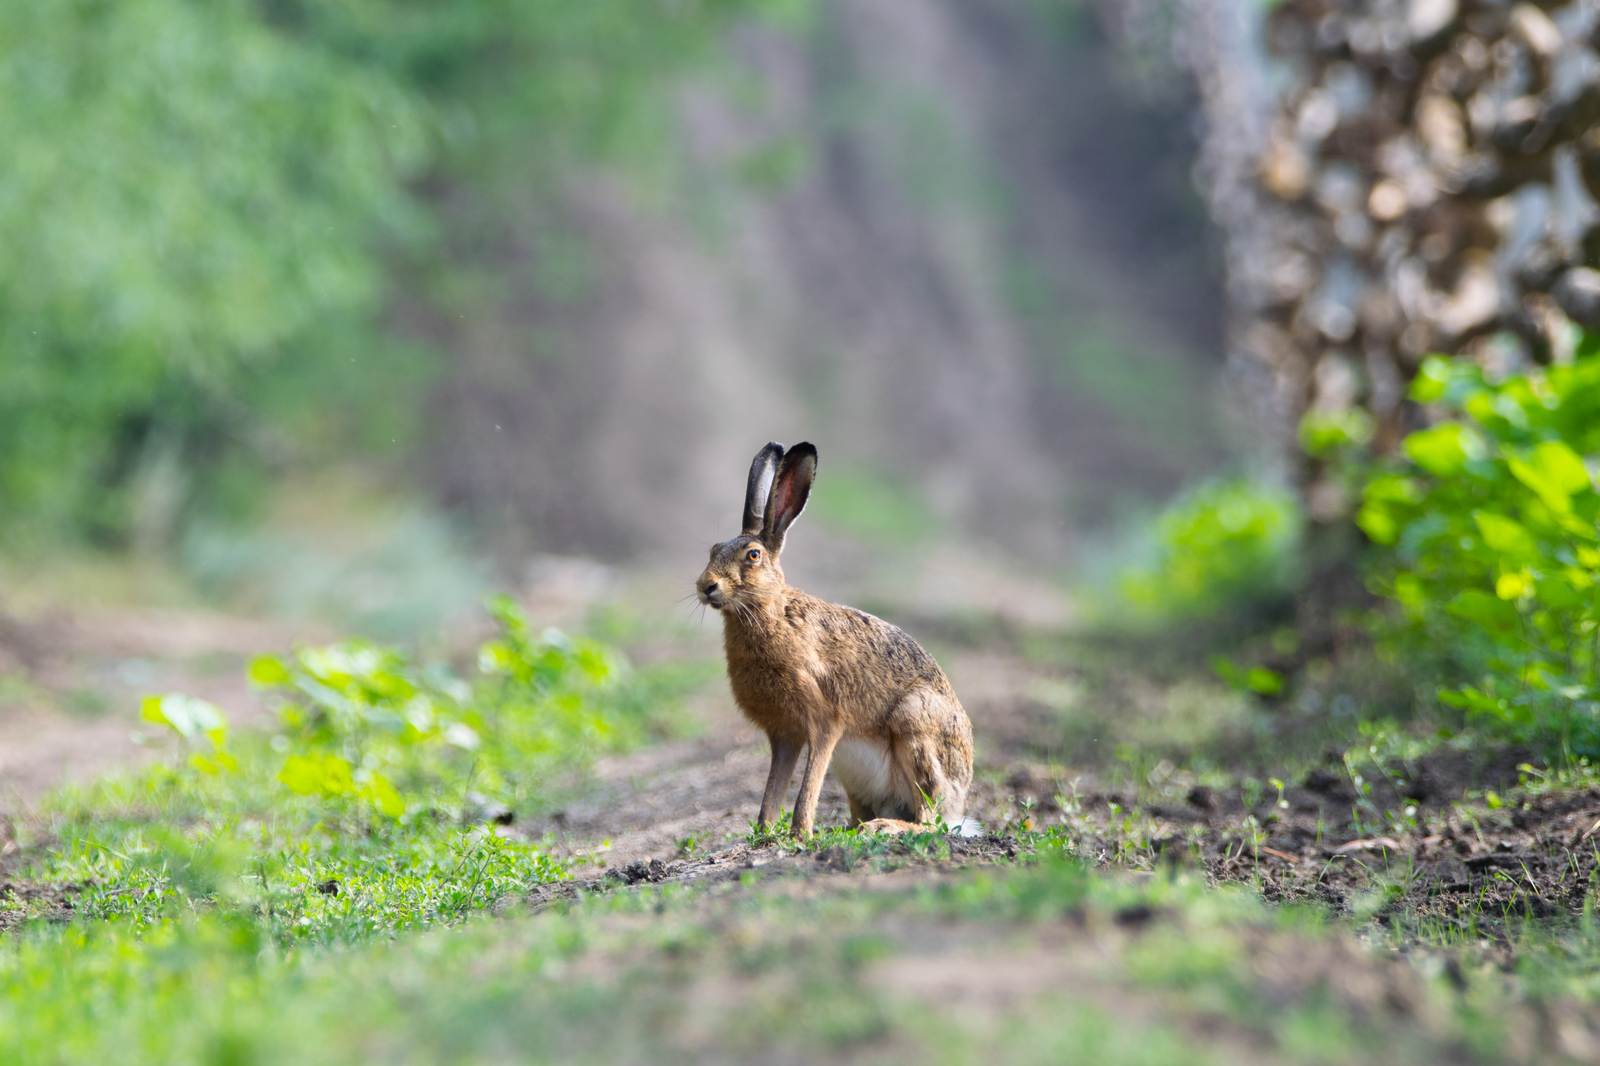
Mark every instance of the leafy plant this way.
pixel 1494 553
pixel 197 723
pixel 366 723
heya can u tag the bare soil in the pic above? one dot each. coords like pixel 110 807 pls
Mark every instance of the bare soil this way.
pixel 71 687
pixel 1453 859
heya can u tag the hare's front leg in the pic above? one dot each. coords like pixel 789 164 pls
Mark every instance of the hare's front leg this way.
pixel 785 753
pixel 805 803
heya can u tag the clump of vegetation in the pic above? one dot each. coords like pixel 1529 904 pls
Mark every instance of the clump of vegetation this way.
pixel 367 723
pixel 1223 547
pixel 1494 551
pixel 378 804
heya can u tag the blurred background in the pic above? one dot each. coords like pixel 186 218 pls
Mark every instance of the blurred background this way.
pixel 328 318
pixel 313 300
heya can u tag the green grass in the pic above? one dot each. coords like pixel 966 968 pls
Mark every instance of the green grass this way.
pixel 148 849
pixel 1149 970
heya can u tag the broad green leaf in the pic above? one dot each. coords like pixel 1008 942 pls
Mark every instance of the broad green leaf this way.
pixel 1469 698
pixel 268 671
pixel 1561 590
pixel 337 779
pixel 1323 431
pixel 1505 535
pixel 1541 675
pixel 1378 523
pixel 1410 591
pixel 1444 449
pixel 1394 488
pixel 1554 471
pixel 185 715
pixel 1433 377
pixel 1267 682
pixel 302 774
pixel 1513 586
pixel 1384 496
pixel 308 774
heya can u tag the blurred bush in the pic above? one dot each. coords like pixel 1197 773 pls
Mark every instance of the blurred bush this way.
pixel 1494 552
pixel 1224 547
pixel 209 207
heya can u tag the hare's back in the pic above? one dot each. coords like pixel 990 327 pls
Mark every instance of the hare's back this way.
pixel 866 651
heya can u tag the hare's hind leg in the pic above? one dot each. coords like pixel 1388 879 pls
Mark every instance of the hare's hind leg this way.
pixel 858 814
pixel 933 752
pixel 936 797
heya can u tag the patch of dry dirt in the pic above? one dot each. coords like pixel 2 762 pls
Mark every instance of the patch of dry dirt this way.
pixel 1450 859
pixel 653 812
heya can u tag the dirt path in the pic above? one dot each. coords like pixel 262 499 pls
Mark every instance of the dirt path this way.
pixel 74 714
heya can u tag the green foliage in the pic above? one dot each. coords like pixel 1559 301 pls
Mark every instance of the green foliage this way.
pixel 189 197
pixel 1224 545
pixel 1324 432
pixel 1493 549
pixel 1257 679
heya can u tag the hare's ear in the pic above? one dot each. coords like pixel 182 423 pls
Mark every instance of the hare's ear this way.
pixel 790 490
pixel 762 469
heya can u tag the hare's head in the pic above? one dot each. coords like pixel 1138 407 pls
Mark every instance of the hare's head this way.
pixel 745 570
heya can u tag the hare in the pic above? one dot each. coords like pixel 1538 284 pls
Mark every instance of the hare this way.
pixel 852 688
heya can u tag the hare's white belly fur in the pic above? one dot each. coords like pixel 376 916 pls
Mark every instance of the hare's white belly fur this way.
pixel 866 771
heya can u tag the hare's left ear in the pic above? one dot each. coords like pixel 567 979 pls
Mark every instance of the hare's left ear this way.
pixel 762 469
pixel 790 490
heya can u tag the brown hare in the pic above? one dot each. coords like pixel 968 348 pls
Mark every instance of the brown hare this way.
pixel 852 688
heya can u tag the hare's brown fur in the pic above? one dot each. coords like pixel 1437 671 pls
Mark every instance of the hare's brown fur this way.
pixel 855 690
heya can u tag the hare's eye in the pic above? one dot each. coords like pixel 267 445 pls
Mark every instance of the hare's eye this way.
pixel 753 554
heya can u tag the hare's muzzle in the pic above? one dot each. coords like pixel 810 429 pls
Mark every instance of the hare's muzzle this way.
pixel 711 593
